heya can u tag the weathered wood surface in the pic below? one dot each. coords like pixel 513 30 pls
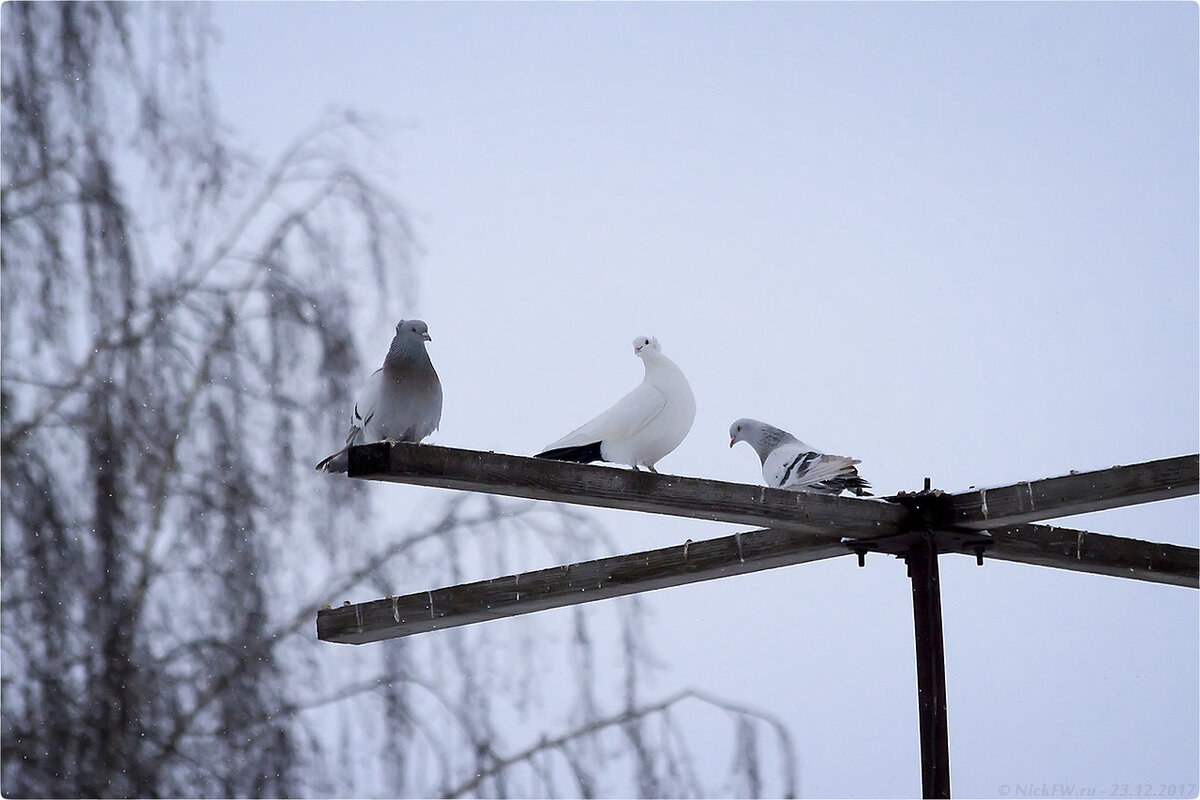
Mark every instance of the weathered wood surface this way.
pixel 574 583
pixel 922 560
pixel 1078 493
pixel 583 484
pixel 1097 553
pixel 606 487
pixel 616 576
pixel 799 528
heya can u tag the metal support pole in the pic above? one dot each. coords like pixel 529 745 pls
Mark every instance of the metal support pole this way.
pixel 931 667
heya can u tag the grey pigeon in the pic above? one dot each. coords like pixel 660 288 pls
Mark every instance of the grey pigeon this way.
pixel 401 401
pixel 643 426
pixel 788 463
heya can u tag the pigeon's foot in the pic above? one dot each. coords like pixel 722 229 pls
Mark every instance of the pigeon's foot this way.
pixel 651 468
pixel 391 441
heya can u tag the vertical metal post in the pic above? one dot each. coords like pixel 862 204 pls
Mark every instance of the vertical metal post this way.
pixel 931 667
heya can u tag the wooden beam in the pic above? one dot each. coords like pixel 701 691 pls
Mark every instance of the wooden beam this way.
pixel 1097 553
pixel 1077 493
pixel 616 576
pixel 574 583
pixel 922 560
pixel 608 487
pixel 800 527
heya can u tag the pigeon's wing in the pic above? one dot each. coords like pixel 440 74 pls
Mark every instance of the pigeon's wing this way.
pixel 795 466
pixel 363 415
pixel 630 414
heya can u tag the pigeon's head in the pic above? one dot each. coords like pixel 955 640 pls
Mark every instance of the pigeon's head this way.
pixel 413 329
pixel 744 430
pixel 762 437
pixel 757 434
pixel 643 343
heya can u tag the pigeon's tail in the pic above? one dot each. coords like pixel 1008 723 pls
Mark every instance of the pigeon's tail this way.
pixel 851 482
pixel 583 453
pixel 859 486
pixel 338 462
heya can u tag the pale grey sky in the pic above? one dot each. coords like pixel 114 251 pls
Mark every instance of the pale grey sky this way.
pixel 953 240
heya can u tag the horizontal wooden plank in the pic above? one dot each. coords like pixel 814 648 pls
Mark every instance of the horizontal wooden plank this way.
pixel 1097 553
pixel 608 487
pixel 574 583
pixel 615 576
pixel 1078 493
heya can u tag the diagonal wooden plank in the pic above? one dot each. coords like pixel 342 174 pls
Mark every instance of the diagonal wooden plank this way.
pixel 582 484
pixel 1078 493
pixel 574 583
pixel 1097 553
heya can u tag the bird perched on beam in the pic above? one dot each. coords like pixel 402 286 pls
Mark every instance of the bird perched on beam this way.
pixel 643 426
pixel 788 463
pixel 401 401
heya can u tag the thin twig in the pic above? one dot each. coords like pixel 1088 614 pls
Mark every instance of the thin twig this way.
pixel 629 715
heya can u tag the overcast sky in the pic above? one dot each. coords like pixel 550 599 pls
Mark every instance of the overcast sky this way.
pixel 952 240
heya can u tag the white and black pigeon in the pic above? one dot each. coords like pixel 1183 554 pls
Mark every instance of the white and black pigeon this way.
pixel 643 426
pixel 401 401
pixel 788 463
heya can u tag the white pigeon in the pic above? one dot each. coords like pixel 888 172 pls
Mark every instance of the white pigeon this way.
pixel 788 463
pixel 643 426
pixel 401 401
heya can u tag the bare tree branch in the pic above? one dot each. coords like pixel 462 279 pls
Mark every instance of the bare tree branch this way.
pixel 179 325
pixel 641 712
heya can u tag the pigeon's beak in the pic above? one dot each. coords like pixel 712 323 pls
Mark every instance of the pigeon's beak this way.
pixel 427 337
pixel 732 442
